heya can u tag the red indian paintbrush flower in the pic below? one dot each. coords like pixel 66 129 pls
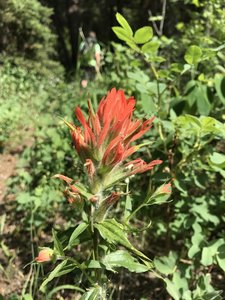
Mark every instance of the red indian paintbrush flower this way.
pixel 105 140
pixel 107 135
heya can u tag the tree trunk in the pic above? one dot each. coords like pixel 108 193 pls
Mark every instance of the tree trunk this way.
pixel 59 22
pixel 74 17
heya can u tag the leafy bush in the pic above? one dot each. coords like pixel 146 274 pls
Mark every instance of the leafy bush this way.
pixel 25 33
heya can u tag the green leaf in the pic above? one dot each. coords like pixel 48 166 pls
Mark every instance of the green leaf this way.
pixel 114 233
pixel 57 244
pixel 218 159
pixel 194 249
pixel 27 297
pixel 203 104
pixel 221 257
pixel 92 264
pixel 180 282
pixel 208 253
pixel 205 290
pixel 186 68
pixel 166 264
pixel 193 55
pixel 82 189
pixel 157 59
pixel 212 126
pixel 143 35
pixel 207 256
pixel 133 46
pixel 220 87
pixel 24 198
pixel 63 268
pixel 139 76
pixel 123 259
pixel 122 34
pixel 203 211
pixel 150 47
pixel 148 103
pixel 160 196
pixel 123 22
pixel 180 186
pixel 94 294
pixel 128 207
pixel 78 230
pixel 188 121
pixel 172 289
pixel 197 239
pixel 63 287
pixel 196 3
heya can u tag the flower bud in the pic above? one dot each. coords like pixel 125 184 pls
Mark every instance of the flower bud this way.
pixel 44 255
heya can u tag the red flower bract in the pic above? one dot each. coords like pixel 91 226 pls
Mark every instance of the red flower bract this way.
pixel 106 137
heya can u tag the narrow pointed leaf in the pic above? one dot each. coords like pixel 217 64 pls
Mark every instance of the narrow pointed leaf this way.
pixel 123 22
pixel 57 244
pixel 78 230
pixel 63 268
pixel 93 294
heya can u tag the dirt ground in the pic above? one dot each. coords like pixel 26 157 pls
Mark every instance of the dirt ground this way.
pixel 11 276
pixel 7 169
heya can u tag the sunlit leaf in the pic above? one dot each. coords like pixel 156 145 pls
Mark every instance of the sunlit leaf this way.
pixel 172 289
pixel 123 22
pixel 122 33
pixel 193 55
pixel 143 35
pixel 123 259
pixel 78 230
pixel 166 264
pixel 150 47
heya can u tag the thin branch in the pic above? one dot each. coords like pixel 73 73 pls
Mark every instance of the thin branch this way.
pixel 163 17
pixel 159 30
pixel 153 22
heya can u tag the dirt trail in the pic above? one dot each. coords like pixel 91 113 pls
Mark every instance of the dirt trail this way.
pixel 7 169
pixel 11 154
pixel 11 276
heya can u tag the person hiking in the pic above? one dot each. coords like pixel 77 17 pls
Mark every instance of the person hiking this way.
pixel 90 58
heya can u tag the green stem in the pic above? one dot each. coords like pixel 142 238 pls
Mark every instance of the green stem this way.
pixel 95 238
pixel 95 244
pixel 80 267
pixel 134 212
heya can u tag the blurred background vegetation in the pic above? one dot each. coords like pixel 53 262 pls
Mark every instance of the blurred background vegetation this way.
pixel 182 85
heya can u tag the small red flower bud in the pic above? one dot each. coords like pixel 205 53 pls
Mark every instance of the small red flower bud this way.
pixel 90 167
pixel 44 255
pixel 165 189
